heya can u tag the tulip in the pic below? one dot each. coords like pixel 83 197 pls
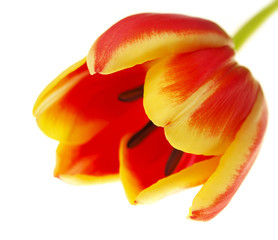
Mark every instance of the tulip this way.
pixel 160 102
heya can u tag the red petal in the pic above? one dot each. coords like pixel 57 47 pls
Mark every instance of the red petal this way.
pixel 200 98
pixel 144 37
pixel 143 166
pixel 87 107
pixel 233 166
pixel 229 105
pixel 98 160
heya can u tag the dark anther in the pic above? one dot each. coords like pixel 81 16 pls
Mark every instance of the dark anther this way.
pixel 132 94
pixel 172 162
pixel 141 135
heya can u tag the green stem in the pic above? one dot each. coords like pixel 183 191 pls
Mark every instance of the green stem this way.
pixel 253 24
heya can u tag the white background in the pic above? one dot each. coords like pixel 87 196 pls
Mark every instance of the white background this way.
pixel 38 40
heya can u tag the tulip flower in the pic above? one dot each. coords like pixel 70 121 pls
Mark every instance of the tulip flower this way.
pixel 160 102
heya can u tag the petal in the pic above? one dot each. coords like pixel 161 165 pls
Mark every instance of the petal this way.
pixel 142 169
pixel 98 160
pixel 233 167
pixel 89 163
pixel 73 115
pixel 174 79
pixel 143 37
pixel 192 176
pixel 78 166
pixel 198 98
pixel 60 86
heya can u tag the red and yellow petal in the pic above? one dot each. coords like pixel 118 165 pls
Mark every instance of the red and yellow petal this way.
pixel 192 176
pixel 60 86
pixel 143 37
pixel 92 162
pixel 98 160
pixel 142 169
pixel 79 166
pixel 77 105
pixel 234 165
pixel 200 98
pixel 172 80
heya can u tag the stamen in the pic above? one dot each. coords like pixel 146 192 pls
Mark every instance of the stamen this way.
pixel 141 135
pixel 132 95
pixel 173 161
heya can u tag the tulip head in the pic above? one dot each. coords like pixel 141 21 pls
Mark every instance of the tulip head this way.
pixel 201 120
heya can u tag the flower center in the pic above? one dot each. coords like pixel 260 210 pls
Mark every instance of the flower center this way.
pixel 138 137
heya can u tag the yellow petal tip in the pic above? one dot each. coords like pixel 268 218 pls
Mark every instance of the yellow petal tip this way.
pixel 189 214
